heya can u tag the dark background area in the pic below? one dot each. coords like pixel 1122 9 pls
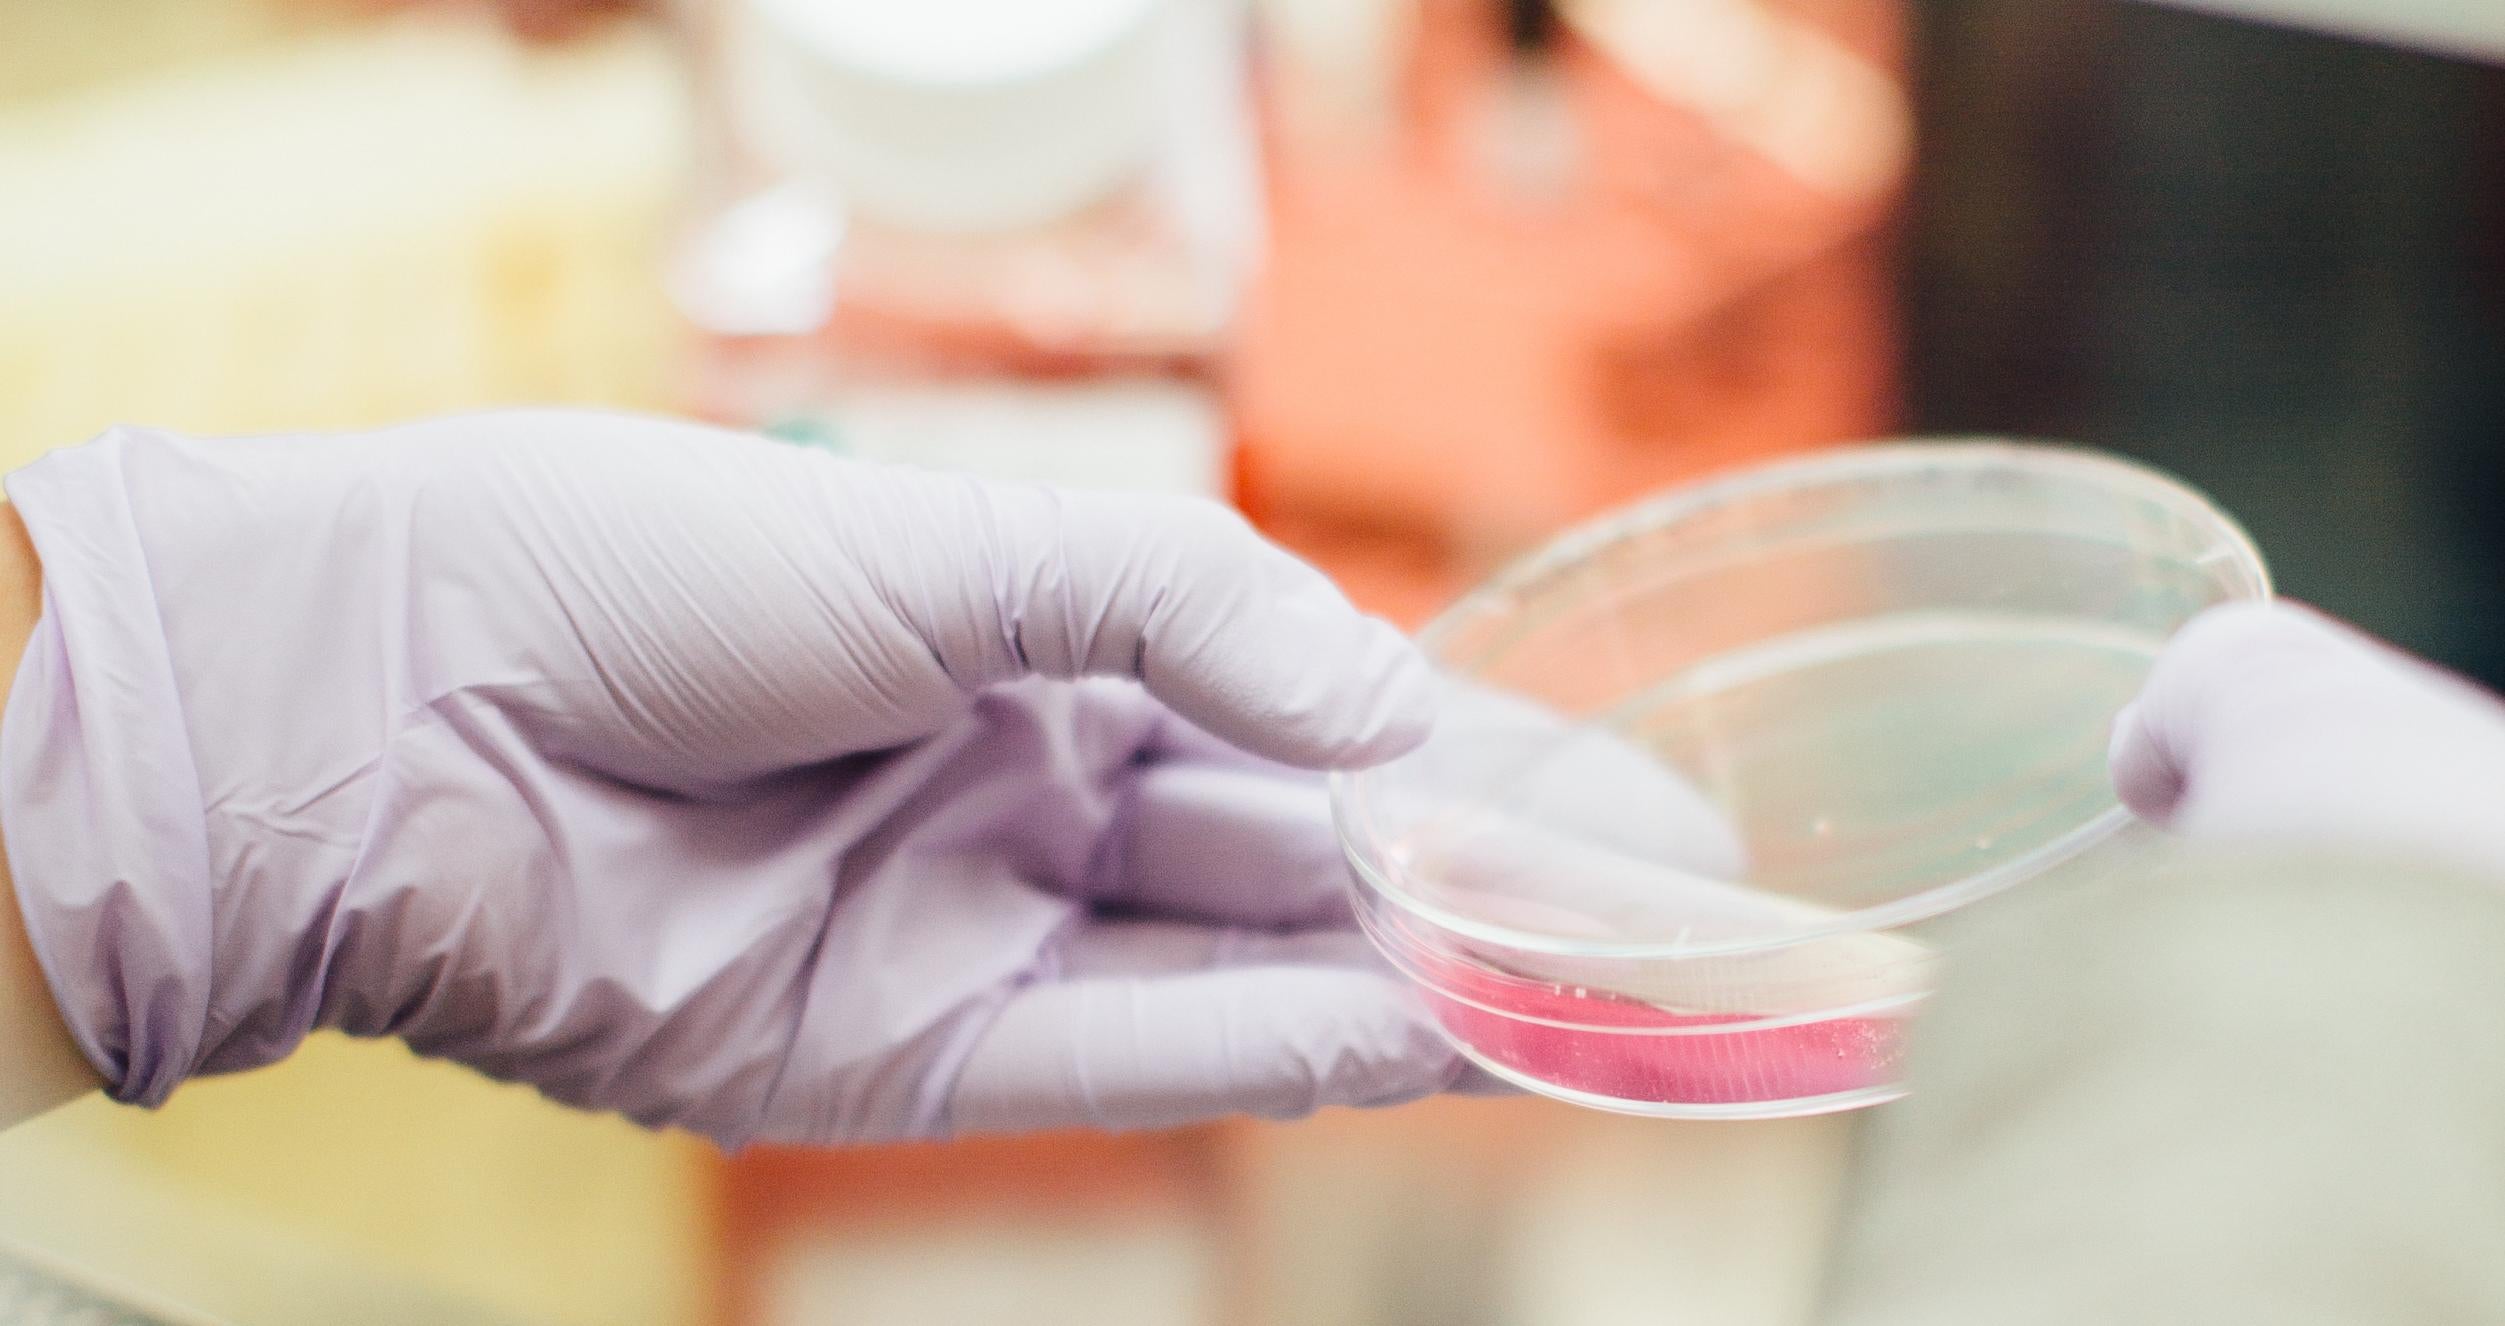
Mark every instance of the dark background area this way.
pixel 2270 261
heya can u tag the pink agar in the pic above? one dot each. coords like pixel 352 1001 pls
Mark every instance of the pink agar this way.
pixel 1616 1047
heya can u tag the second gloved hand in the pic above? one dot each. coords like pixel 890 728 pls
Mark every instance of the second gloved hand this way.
pixel 683 774
pixel 2270 725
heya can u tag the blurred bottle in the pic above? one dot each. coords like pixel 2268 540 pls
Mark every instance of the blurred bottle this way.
pixel 1000 235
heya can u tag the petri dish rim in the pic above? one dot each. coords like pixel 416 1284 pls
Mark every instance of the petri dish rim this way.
pixel 1350 812
pixel 1797 1107
pixel 1397 955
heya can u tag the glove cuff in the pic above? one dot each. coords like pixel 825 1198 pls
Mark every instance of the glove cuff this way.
pixel 98 792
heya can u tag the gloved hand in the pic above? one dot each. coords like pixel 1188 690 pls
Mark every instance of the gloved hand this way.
pixel 2269 724
pixel 684 774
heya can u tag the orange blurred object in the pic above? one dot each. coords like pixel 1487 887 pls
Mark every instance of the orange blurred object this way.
pixel 784 1209
pixel 1427 360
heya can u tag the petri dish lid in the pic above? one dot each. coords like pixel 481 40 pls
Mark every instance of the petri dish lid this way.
pixel 1835 694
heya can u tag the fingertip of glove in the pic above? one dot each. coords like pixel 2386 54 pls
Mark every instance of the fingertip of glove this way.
pixel 1419 1064
pixel 1471 1080
pixel 1380 1048
pixel 1321 704
pixel 2160 735
pixel 1402 695
pixel 2145 780
pixel 2123 737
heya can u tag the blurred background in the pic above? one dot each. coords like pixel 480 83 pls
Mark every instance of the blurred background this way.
pixel 1413 281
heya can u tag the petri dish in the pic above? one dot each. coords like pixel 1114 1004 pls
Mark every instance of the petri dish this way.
pixel 1715 769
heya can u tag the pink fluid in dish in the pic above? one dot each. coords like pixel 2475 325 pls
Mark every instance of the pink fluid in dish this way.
pixel 1607 1045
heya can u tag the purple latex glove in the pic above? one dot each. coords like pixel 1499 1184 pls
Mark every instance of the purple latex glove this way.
pixel 692 776
pixel 2271 724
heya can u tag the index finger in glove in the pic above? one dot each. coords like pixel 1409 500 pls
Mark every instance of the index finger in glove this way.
pixel 1229 630
pixel 733 606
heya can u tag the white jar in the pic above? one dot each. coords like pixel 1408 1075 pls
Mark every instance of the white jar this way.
pixel 955 115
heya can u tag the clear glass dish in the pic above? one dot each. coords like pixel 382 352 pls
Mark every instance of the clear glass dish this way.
pixel 1712 768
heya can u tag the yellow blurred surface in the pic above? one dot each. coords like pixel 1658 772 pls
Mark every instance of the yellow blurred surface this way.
pixel 357 1183
pixel 336 231
pixel 58 46
pixel 222 218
